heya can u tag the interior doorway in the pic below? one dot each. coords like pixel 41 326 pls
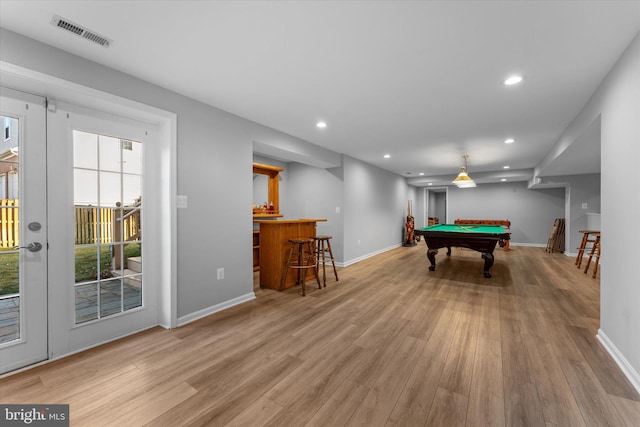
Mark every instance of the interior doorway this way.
pixel 436 212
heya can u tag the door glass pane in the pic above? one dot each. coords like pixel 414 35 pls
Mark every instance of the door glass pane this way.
pixel 110 297
pixel 87 263
pixel 116 259
pixel 132 274
pixel 9 296
pixel 131 189
pixel 108 227
pixel 132 157
pixel 109 154
pixel 85 187
pixel 110 186
pixel 85 150
pixel 86 302
pixel 9 230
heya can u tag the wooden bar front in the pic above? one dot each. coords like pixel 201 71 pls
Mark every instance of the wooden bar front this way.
pixel 275 246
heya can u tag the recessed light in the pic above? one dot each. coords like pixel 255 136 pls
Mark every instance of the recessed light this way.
pixel 503 179
pixel 321 125
pixel 421 174
pixel 509 141
pixel 431 183
pixel 513 80
pixel 386 156
pixel 506 167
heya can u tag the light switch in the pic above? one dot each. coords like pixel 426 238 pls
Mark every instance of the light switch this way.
pixel 181 202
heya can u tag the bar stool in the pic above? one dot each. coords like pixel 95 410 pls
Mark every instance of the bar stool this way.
pixel 323 245
pixel 586 234
pixel 595 250
pixel 302 257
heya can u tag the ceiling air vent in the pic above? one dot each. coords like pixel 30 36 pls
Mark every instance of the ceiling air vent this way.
pixel 79 30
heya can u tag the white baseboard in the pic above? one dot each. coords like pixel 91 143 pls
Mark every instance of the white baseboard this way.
pixel 215 308
pixel 369 255
pixel 628 370
pixel 533 245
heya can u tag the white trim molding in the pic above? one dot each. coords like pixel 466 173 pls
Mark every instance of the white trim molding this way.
pixel 192 317
pixel 369 255
pixel 532 245
pixel 631 374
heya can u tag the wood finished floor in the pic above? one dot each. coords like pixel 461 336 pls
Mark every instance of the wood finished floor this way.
pixel 390 344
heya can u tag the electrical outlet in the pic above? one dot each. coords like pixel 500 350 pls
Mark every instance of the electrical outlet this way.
pixel 584 206
pixel 358 242
pixel 337 209
pixel 220 273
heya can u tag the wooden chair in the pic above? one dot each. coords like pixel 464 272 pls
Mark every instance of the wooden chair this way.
pixel 555 243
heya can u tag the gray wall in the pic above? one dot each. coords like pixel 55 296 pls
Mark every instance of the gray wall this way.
pixel 433 203
pixel 368 198
pixel 375 209
pixel 531 212
pixel 419 206
pixel 617 103
pixel 316 193
pixel 620 293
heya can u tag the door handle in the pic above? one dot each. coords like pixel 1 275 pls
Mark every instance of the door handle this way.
pixel 31 247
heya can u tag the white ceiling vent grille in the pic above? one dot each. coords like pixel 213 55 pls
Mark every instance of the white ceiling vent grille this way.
pixel 81 31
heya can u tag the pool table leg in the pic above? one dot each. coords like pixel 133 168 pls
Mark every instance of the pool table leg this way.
pixel 431 254
pixel 488 262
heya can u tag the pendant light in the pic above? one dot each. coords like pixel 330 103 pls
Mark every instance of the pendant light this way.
pixel 463 180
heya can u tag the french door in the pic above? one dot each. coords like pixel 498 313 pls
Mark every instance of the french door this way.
pixel 96 193
pixel 72 226
pixel 23 230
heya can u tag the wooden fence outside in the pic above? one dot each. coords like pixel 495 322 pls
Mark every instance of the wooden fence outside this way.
pixel 96 225
pixel 92 225
pixel 9 224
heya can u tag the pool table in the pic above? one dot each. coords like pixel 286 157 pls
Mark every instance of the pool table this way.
pixel 479 237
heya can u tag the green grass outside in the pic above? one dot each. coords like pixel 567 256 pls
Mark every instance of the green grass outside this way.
pixel 86 263
pixel 8 272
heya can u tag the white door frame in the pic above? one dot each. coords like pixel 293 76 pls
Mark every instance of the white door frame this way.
pixel 166 147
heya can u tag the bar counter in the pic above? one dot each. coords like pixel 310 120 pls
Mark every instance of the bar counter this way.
pixel 275 246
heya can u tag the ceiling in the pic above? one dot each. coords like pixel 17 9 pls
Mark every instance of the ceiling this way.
pixel 421 81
